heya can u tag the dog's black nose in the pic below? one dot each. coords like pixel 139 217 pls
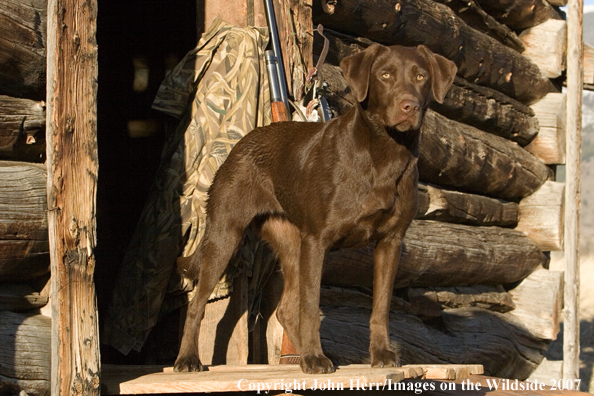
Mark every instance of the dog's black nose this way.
pixel 409 106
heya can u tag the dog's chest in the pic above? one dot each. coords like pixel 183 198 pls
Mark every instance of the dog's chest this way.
pixel 378 205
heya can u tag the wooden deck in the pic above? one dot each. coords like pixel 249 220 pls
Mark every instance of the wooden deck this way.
pixel 159 380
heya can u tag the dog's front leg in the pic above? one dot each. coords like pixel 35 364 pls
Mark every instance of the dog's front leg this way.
pixel 313 360
pixel 386 257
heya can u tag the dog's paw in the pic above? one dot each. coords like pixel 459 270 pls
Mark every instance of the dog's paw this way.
pixel 384 358
pixel 187 364
pixel 319 364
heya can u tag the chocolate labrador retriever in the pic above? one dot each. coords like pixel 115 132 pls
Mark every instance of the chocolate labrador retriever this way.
pixel 311 186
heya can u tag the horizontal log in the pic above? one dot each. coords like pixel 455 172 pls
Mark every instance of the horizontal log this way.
pixel 520 14
pixel 25 355
pixel 20 297
pixel 442 254
pixel 481 107
pixel 23 48
pixel 480 58
pixel 462 208
pixel 23 201
pixel 23 260
pixel 542 216
pixel 489 111
pixel 456 155
pixel 23 221
pixel 22 129
pixel 491 297
pixel 546 46
pixel 506 350
pixel 539 302
pixel 472 13
pixel 557 3
pixel 549 144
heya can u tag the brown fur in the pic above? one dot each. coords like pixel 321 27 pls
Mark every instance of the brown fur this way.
pixel 346 182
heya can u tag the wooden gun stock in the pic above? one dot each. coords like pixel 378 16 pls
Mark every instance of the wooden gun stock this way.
pixel 279 111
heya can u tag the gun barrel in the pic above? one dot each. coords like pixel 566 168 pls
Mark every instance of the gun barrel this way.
pixel 271 64
pixel 280 70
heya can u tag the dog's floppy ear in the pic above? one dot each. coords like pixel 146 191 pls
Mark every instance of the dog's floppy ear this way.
pixel 442 72
pixel 356 69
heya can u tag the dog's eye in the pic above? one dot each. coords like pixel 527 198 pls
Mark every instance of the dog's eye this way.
pixel 386 75
pixel 420 77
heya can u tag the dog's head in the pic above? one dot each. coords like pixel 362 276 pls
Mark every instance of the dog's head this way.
pixel 395 83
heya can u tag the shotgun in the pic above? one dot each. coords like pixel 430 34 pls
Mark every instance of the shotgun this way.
pixel 279 111
pixel 281 78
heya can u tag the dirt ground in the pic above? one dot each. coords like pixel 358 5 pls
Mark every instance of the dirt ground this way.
pixel 555 351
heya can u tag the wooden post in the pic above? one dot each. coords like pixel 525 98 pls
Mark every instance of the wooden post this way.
pixel 72 184
pixel 295 27
pixel 571 343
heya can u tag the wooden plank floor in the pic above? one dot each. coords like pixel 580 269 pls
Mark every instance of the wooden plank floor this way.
pixel 159 380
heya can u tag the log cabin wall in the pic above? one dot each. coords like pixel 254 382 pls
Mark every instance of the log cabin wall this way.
pixel 24 249
pixel 474 258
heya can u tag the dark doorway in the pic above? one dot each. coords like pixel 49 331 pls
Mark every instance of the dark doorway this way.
pixel 138 40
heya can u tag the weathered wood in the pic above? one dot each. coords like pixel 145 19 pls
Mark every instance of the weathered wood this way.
pixel 289 378
pixel 480 58
pixel 23 48
pixel 24 353
pixel 489 111
pixel 294 20
pixel 575 81
pixel 472 13
pixel 457 155
pixel 235 12
pixel 23 221
pixel 520 14
pixel 588 64
pixel 274 339
pixel 549 144
pixel 539 301
pixel 546 46
pixel 23 202
pixel 121 381
pixel 456 207
pixel 507 350
pixel 493 298
pixel 409 371
pixel 541 216
pixel 20 297
pixel 22 129
pixel 72 186
pixel 442 254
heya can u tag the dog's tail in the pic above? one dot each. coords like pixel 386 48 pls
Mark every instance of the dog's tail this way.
pixel 188 266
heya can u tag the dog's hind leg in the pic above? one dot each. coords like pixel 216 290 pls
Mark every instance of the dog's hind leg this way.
pixel 221 239
pixel 285 239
